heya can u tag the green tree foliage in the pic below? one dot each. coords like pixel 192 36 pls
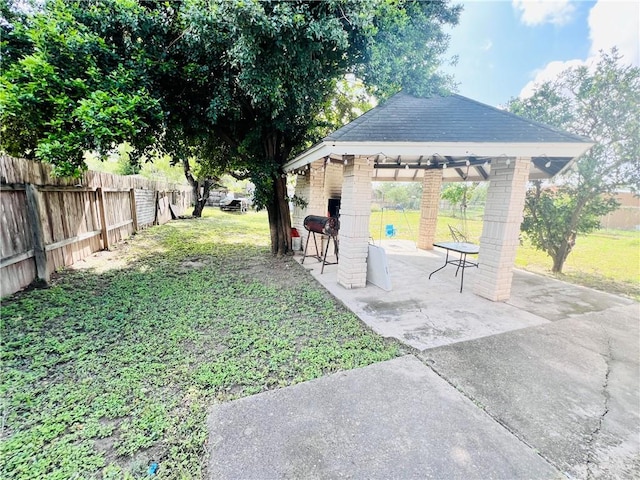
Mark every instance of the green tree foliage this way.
pixel 399 194
pixel 280 65
pixel 69 87
pixel 232 85
pixel 600 102
pixel 350 100
pixel 459 194
pixel 550 212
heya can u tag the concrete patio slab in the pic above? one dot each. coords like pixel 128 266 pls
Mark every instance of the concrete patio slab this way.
pixel 426 313
pixel 557 364
pixel 570 389
pixel 544 385
pixel 395 419
pixel 554 300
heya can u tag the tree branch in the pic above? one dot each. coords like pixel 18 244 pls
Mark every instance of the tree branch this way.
pixel 241 175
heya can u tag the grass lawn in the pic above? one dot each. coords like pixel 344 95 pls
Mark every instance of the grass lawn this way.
pixel 604 260
pixel 115 364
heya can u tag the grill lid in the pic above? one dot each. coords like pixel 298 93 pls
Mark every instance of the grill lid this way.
pixel 325 225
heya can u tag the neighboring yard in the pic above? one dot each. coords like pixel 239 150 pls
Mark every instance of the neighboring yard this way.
pixel 115 365
pixel 607 260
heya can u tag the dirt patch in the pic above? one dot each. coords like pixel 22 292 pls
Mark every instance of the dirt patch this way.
pixel 105 260
pixel 187 264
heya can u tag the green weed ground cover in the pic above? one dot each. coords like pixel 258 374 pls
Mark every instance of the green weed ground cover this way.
pixel 116 364
pixel 604 260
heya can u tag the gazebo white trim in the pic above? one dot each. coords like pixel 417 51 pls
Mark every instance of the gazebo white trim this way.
pixel 410 152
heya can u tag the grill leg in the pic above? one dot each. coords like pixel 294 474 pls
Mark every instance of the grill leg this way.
pixel 306 245
pixel 324 258
pixel 318 252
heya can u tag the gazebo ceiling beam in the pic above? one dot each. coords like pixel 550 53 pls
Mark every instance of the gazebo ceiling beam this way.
pixel 462 174
pixel 550 166
pixel 434 163
pixel 415 173
pixel 483 173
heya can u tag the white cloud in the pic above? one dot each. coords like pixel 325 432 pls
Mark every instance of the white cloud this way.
pixel 487 45
pixel 549 72
pixel 611 23
pixel 536 12
pixel 616 23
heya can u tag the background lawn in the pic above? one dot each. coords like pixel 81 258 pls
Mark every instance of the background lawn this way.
pixel 606 260
pixel 115 365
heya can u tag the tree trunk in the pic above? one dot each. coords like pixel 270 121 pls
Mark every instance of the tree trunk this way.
pixel 200 196
pixel 558 263
pixel 569 240
pixel 563 252
pixel 200 189
pixel 197 204
pixel 279 218
pixel 197 209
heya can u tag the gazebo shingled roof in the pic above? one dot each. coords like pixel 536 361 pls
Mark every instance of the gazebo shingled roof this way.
pixel 406 135
pixel 455 118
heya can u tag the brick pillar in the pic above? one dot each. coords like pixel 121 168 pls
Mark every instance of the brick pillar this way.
pixel 332 189
pixel 355 210
pixel 332 181
pixel 429 204
pixel 312 191
pixel 501 227
pixel 303 188
pixel 317 203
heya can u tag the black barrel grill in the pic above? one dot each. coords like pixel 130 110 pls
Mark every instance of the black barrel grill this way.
pixel 327 226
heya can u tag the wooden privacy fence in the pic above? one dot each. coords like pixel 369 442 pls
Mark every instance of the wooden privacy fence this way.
pixel 49 223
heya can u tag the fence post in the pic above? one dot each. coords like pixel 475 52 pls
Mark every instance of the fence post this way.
pixel 35 220
pixel 156 221
pixel 103 219
pixel 134 213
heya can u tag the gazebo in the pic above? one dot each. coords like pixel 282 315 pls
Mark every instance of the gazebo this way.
pixel 432 140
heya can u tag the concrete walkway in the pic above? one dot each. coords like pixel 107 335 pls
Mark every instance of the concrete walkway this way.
pixel 546 385
pixel 396 419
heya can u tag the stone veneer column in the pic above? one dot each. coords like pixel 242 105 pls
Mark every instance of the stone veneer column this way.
pixel 501 227
pixel 429 204
pixel 355 210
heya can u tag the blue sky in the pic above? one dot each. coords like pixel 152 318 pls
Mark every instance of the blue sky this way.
pixel 505 46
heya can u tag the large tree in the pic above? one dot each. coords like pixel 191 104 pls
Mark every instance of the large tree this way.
pixel 238 85
pixel 281 62
pixel 602 102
